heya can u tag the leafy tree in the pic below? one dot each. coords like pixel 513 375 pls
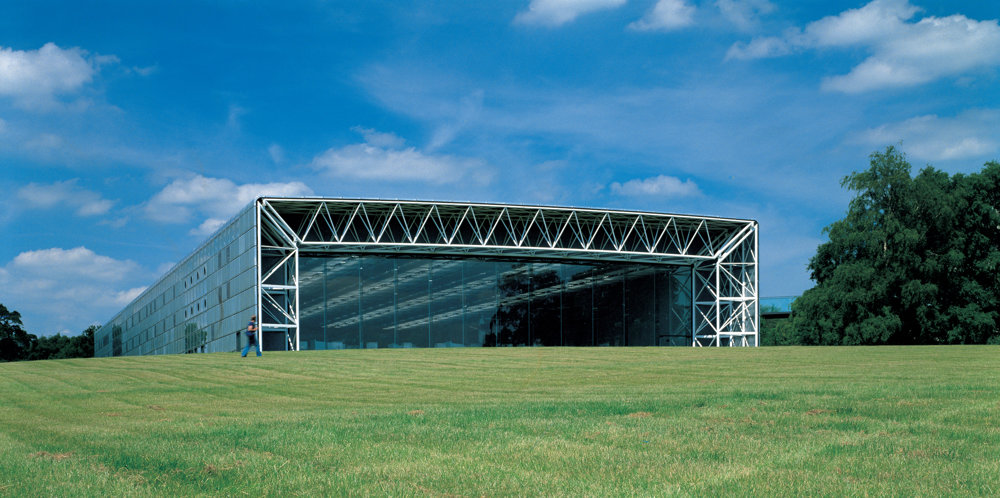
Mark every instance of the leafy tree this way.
pixel 59 346
pixel 776 331
pixel 914 261
pixel 15 342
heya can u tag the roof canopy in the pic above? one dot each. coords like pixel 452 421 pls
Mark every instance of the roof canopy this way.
pixel 341 225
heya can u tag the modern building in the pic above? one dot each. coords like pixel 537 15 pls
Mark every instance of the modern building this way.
pixel 325 273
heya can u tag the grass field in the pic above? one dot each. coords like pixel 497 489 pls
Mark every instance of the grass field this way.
pixel 552 421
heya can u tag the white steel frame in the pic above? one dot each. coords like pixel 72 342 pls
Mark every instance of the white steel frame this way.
pixel 721 252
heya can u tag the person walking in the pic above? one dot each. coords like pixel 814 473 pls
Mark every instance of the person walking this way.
pixel 251 337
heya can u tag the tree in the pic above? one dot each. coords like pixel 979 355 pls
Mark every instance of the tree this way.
pixel 914 261
pixel 15 343
pixel 58 346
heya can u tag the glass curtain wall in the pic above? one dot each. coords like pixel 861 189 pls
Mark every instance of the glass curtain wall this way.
pixel 198 305
pixel 405 302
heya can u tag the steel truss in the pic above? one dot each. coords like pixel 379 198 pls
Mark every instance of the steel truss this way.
pixel 722 253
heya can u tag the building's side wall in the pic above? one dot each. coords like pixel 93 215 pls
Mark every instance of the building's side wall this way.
pixel 198 305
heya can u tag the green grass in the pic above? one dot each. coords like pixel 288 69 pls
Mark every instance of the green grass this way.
pixel 553 421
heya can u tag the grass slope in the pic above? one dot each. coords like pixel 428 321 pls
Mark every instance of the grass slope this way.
pixel 553 421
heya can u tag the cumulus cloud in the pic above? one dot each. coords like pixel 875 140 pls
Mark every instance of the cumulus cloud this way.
pixel 64 194
pixel 78 263
pixel 64 290
pixel 384 157
pixel 559 12
pixel 657 185
pixel 666 15
pixel 34 79
pixel 971 134
pixel 216 199
pixel 902 53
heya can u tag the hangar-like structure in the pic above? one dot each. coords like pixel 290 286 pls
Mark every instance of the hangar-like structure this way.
pixel 325 273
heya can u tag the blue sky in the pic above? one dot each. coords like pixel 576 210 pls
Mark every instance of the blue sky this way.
pixel 129 131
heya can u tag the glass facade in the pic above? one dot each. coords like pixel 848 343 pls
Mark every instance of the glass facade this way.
pixel 375 301
pixel 198 305
pixel 339 273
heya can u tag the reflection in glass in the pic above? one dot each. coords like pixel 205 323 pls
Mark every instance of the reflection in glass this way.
pixel 546 305
pixel 578 305
pixel 378 288
pixel 343 327
pixel 609 308
pixel 480 282
pixel 640 307
pixel 514 297
pixel 413 305
pixel 446 288
pixel 377 301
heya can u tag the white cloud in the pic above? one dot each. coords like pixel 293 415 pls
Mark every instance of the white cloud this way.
pixel 277 153
pixel 213 198
pixel 383 157
pixel 234 117
pixel 379 139
pixel 469 108
pixel 760 48
pixel 657 185
pixel 744 13
pixel 971 134
pixel 44 142
pixel 902 53
pixel 64 194
pixel 165 267
pixel 208 227
pixel 876 21
pixel 34 79
pixel 67 289
pixel 666 15
pixel 145 71
pixel 559 12
pixel 121 298
pixel 76 263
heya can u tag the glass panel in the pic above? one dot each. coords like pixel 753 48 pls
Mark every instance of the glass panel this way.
pixel 342 303
pixel 680 307
pixel 640 299
pixel 608 307
pixel 312 302
pixel 446 288
pixel 411 298
pixel 377 295
pixel 578 306
pixel 546 305
pixel 413 302
pixel 480 302
pixel 513 314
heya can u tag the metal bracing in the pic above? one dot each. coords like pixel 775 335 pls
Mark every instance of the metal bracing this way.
pixel 721 252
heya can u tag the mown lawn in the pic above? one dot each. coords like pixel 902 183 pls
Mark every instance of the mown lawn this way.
pixel 552 421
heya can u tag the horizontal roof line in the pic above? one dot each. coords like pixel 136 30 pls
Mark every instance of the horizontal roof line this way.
pixel 495 205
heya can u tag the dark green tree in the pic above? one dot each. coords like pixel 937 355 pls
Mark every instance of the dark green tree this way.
pixel 914 261
pixel 15 342
pixel 58 346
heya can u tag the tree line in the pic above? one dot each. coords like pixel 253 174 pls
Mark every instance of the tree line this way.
pixel 916 260
pixel 17 344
